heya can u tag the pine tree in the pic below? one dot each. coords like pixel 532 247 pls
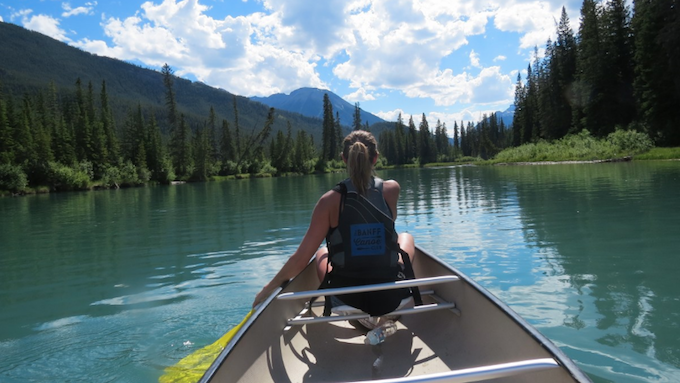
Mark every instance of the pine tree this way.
pixel 565 69
pixel 180 150
pixel 328 150
pixel 400 141
pixel 356 121
pixel 412 152
pixel 518 120
pixel 6 139
pixel 427 151
pixel 588 92
pixel 227 150
pixel 201 150
pixel 212 136
pixel 456 140
pixel 83 129
pixel 656 81
pixel 618 100
pixel 109 128
pixel 170 102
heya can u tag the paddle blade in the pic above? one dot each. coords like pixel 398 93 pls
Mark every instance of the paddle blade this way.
pixel 192 367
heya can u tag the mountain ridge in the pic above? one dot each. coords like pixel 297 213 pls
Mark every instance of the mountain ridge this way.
pixel 309 102
pixel 31 61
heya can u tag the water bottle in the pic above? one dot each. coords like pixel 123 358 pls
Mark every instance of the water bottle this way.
pixel 378 334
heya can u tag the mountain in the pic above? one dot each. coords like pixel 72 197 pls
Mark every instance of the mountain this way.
pixel 30 61
pixel 507 115
pixel 309 102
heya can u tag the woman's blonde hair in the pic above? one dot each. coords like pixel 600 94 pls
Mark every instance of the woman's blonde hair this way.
pixel 360 150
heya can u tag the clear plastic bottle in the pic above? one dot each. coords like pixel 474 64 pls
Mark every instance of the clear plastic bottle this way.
pixel 378 334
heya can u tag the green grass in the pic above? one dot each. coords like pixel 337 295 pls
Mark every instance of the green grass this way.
pixel 660 154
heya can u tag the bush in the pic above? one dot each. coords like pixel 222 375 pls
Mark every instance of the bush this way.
pixel 630 142
pixel 63 178
pixel 129 175
pixel 110 177
pixel 267 168
pixel 12 178
pixel 166 173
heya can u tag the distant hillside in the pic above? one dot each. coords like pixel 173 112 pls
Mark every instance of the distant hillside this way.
pixel 30 61
pixel 309 102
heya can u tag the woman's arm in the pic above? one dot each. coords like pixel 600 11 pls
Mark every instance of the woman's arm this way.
pixel 391 191
pixel 318 228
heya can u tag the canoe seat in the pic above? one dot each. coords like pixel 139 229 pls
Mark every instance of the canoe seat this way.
pixel 477 374
pixel 298 321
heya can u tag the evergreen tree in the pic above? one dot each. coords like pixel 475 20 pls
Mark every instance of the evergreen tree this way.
pixel 456 140
pixel 170 102
pixel 108 126
pixel 400 141
pixel 303 153
pixel 412 152
pixel 427 151
pixel 83 129
pixel 237 134
pixel 156 156
pixel 564 69
pixel 134 138
pixel 656 81
pixel 212 136
pixel 6 139
pixel 180 150
pixel 227 150
pixel 329 137
pixel 529 114
pixel 356 121
pixel 281 151
pixel 618 100
pixel 518 117
pixel 201 150
pixel 588 94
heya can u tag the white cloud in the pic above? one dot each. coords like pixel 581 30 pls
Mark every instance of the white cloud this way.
pixel 44 24
pixel 1 20
pixel 360 95
pixel 535 20
pixel 85 10
pixel 225 53
pixel 499 58
pixel 474 59
pixel 375 45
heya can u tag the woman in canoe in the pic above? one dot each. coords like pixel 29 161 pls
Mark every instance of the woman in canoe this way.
pixel 356 218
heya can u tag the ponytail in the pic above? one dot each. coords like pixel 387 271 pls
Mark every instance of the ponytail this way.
pixel 360 150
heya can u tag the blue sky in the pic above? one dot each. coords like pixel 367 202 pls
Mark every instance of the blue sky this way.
pixel 452 60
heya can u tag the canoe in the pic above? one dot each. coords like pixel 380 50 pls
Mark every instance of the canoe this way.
pixel 461 333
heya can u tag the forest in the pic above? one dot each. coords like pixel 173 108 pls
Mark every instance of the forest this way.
pixel 617 73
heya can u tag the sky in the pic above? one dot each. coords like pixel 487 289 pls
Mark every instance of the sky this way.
pixel 451 60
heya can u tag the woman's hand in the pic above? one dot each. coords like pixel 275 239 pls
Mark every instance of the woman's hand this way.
pixel 262 295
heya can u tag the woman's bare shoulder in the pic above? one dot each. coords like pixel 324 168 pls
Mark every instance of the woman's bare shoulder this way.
pixel 391 186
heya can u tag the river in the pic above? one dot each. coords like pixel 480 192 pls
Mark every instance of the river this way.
pixel 116 285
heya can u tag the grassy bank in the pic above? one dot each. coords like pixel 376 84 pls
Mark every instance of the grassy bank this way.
pixel 579 147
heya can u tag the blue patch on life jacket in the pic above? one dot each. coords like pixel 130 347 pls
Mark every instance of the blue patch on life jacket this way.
pixel 367 239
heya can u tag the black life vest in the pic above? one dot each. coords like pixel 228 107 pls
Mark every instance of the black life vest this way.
pixel 363 250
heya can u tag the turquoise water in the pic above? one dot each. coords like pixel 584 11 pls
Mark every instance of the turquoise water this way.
pixel 113 286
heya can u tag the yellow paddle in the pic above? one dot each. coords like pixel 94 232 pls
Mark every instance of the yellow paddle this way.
pixel 192 367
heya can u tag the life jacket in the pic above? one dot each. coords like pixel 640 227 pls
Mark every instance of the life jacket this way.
pixel 363 250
